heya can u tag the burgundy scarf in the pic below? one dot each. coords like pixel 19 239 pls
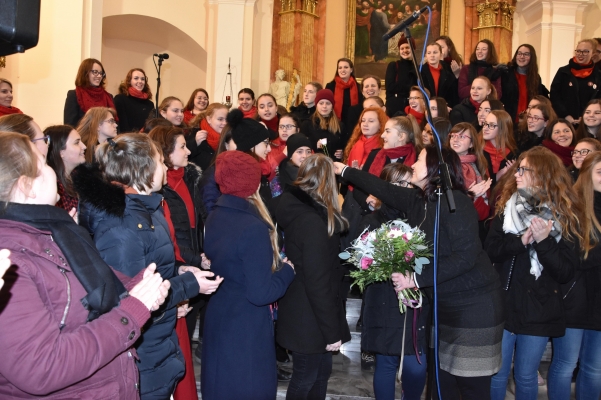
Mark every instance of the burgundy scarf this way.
pixel 272 123
pixel 407 151
pixel 133 92
pixel 93 96
pixel 470 175
pixel 339 94
pixel 564 153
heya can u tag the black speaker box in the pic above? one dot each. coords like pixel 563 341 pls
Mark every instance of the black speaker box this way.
pixel 19 25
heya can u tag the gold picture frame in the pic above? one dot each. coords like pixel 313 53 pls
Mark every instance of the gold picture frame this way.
pixel 367 64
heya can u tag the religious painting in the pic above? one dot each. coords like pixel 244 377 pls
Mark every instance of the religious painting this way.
pixel 369 20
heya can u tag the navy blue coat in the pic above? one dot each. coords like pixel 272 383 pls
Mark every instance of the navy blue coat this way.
pixel 238 352
pixel 130 232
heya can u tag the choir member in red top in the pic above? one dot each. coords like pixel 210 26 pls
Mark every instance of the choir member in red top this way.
pixel 6 99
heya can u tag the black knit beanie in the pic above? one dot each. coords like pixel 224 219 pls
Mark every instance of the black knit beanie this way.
pixel 295 142
pixel 246 132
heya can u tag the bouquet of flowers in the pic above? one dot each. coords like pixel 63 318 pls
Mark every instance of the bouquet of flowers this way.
pixel 393 247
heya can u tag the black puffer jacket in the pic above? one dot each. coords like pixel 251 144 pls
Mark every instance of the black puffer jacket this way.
pixel 302 112
pixel 189 240
pixel 533 306
pixel 382 322
pixel 130 232
pixel 202 154
pixel 311 313
pixel 464 112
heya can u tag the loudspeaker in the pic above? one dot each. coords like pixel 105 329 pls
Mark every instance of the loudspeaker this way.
pixel 19 25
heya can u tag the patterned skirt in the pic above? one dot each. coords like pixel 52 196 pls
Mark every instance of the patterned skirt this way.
pixel 470 334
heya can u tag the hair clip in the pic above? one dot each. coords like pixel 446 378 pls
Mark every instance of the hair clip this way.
pixel 111 142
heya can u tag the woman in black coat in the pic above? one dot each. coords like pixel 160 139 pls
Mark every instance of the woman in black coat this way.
pixel 400 76
pixel 581 345
pixel 534 235
pixel 577 83
pixel 134 101
pixel 345 88
pixel 469 302
pixel 89 92
pixel 438 76
pixel 311 316
pixel 521 81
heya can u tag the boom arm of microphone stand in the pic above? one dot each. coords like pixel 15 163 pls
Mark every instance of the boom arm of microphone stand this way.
pixel 443 167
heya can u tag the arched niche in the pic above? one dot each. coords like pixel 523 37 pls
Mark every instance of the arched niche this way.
pixel 130 40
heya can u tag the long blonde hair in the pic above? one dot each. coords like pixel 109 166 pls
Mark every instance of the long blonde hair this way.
pixel 255 200
pixel 316 178
pixel 591 228
pixel 88 128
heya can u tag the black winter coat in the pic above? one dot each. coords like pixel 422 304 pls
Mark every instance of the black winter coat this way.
pixel 382 322
pixel 569 95
pixel 335 141
pixel 132 112
pixel 311 314
pixel 200 155
pixel 533 306
pixel 447 83
pixel 511 91
pixel 189 240
pixel 400 76
pixel 353 115
pixel 346 98
pixel 302 112
pixel 130 233
pixel 464 112
pixel 72 113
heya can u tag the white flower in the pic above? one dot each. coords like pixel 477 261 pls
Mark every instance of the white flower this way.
pixel 323 142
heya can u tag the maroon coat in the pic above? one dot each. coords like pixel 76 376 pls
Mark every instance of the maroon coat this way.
pixel 83 360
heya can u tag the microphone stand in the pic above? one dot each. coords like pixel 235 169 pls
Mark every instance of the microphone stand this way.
pixel 158 68
pixel 444 184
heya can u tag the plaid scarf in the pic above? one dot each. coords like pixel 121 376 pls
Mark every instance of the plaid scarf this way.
pixel 520 210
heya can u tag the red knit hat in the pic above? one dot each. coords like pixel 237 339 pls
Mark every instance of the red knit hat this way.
pixel 403 40
pixel 237 173
pixel 325 94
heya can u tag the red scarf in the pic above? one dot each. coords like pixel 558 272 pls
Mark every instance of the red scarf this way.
pixel 362 148
pixel 581 70
pixel 522 94
pixel 407 151
pixel 9 110
pixel 436 76
pixel 418 116
pixel 564 153
pixel 93 96
pixel 339 94
pixel 133 92
pixel 175 180
pixel 212 135
pixel 469 173
pixel 188 116
pixel 496 155
pixel 272 124
pixel 250 113
pixel 475 104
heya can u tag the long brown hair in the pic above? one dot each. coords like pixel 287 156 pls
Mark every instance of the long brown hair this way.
pixel 408 125
pixel 505 138
pixel 316 178
pixel 532 77
pixel 88 128
pixel 382 118
pixel 349 62
pixel 493 95
pixel 491 55
pixel 165 105
pixel 126 84
pixel 329 123
pixel 59 134
pixel 582 130
pixel 190 104
pixel 554 188
pixel 523 123
pixel 551 125
pixel 452 50
pixel 591 228
pixel 165 137
pixel 477 146
pixel 82 78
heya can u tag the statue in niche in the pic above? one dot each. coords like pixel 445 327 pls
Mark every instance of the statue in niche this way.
pixel 280 89
pixel 293 97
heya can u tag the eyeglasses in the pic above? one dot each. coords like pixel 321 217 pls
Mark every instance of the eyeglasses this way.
pixel 110 121
pixel 46 139
pixel 287 127
pixel 402 184
pixel 489 126
pixel 582 152
pixel 534 118
pixel 522 169
pixel 582 52
pixel 459 136
pixel 520 54
pixel 96 73
pixel 415 98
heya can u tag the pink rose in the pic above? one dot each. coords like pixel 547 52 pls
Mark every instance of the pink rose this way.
pixel 366 262
pixel 405 237
pixel 409 255
pixel 364 236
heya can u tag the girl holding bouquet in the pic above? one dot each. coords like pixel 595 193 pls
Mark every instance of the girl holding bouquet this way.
pixel 469 297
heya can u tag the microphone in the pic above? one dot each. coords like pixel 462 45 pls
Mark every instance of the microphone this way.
pixel 404 24
pixel 164 56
